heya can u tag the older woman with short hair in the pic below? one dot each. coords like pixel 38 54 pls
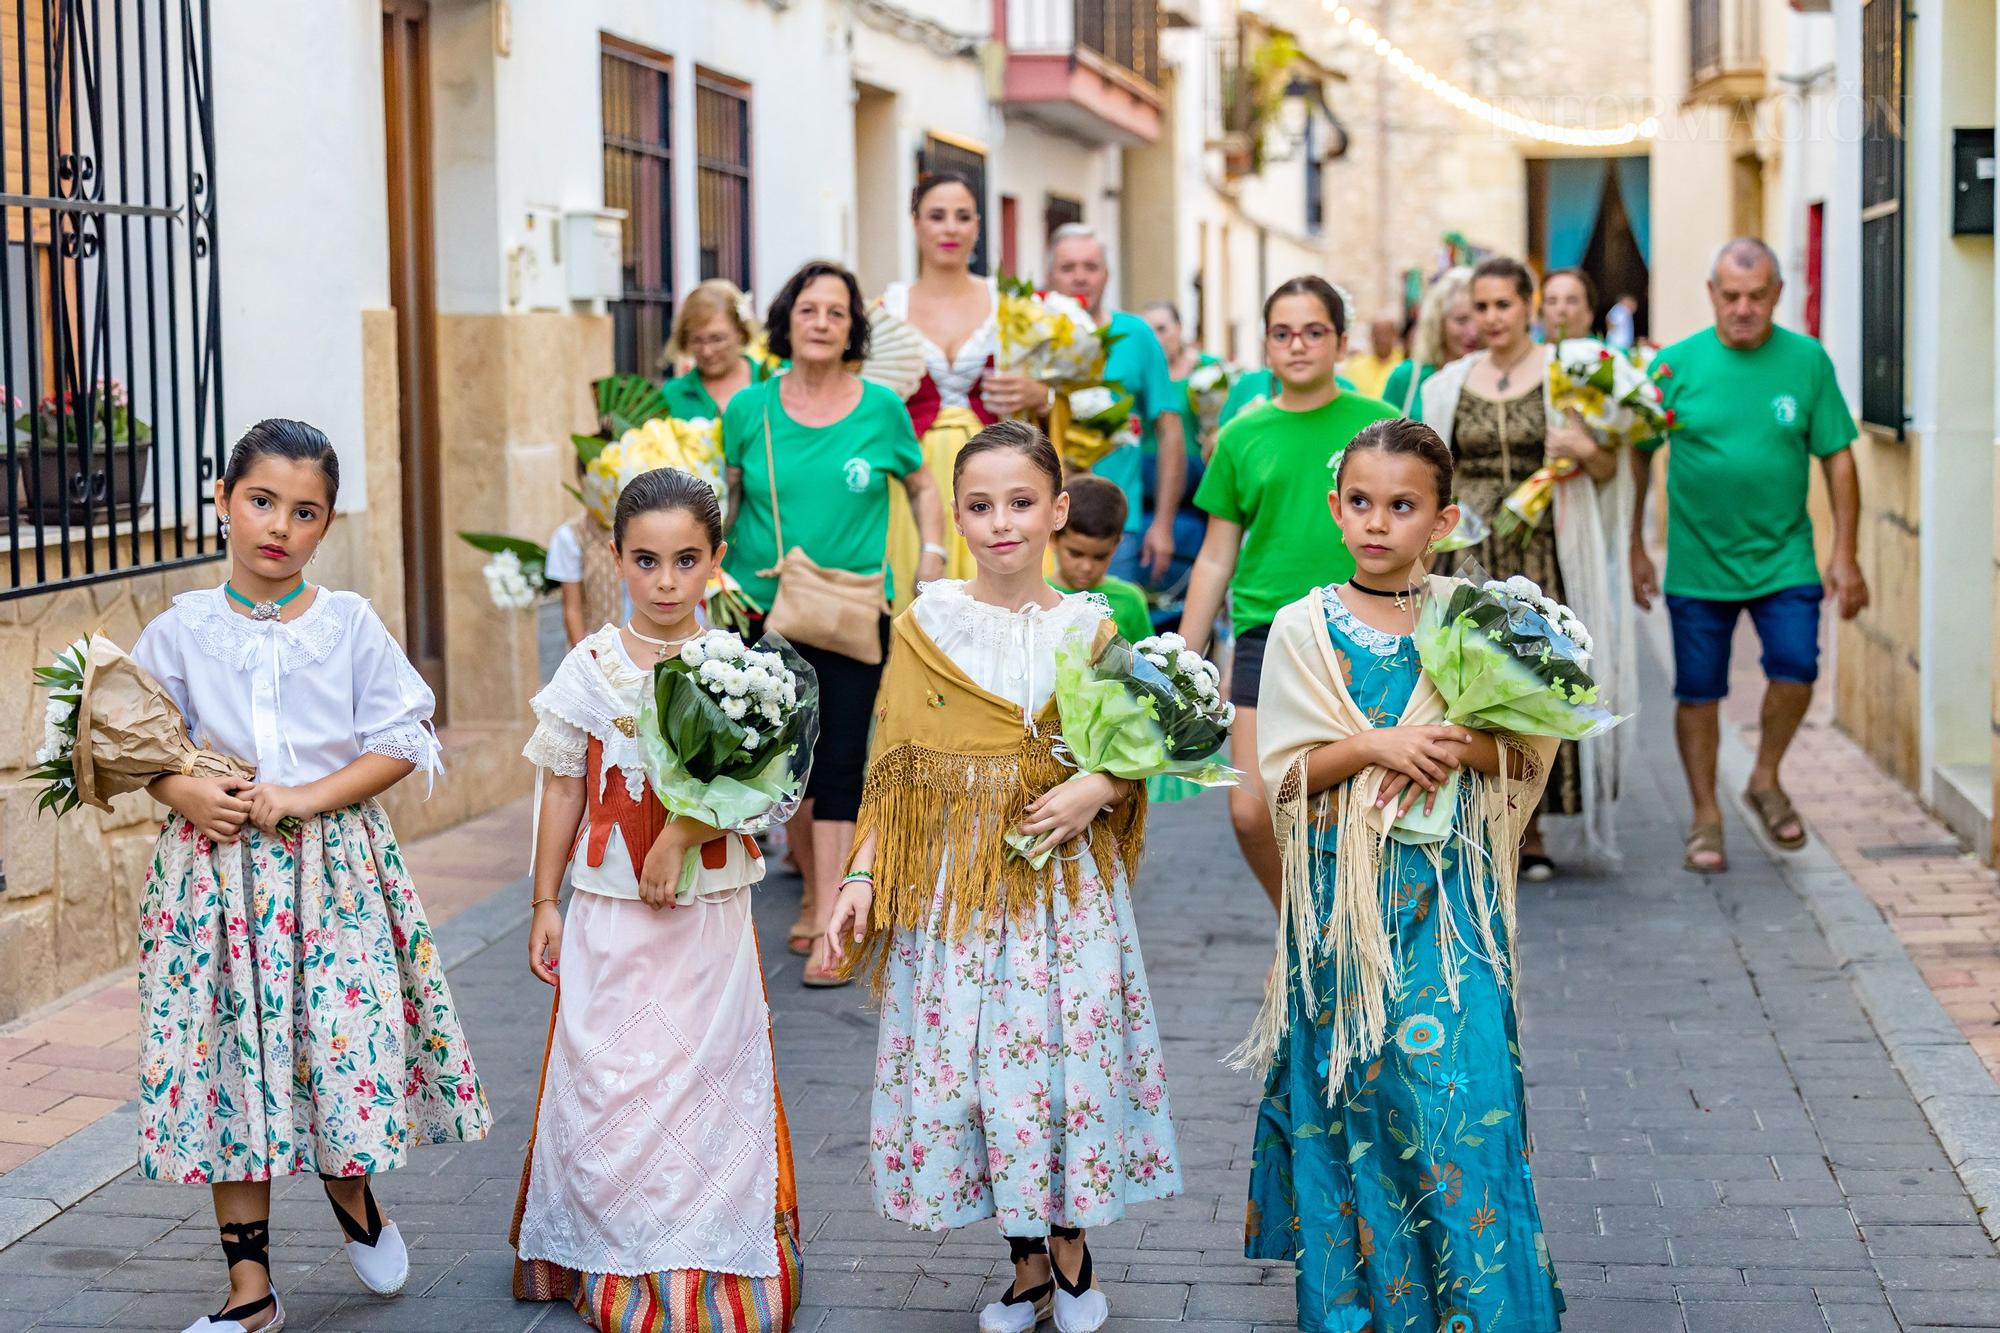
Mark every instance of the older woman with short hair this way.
pixel 712 329
pixel 813 451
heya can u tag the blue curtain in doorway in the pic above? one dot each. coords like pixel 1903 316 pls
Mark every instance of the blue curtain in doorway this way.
pixel 1635 186
pixel 1576 193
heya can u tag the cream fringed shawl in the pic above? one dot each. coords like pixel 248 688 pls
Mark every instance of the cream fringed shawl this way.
pixel 1304 705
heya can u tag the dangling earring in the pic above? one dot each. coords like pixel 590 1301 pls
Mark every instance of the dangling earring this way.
pixel 222 527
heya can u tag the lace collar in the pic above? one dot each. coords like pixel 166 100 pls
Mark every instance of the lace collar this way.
pixel 1381 643
pixel 238 641
pixel 950 606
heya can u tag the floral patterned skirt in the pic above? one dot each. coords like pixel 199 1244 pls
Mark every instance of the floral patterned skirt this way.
pixel 294 1008
pixel 1019 1072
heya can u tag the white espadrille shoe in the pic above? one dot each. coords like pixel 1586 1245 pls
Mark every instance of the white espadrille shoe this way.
pixel 376 1250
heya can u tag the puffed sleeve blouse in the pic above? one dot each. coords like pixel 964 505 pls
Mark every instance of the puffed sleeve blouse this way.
pixel 300 699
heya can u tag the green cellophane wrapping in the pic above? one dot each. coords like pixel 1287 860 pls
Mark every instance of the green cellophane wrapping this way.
pixel 700 762
pixel 1498 670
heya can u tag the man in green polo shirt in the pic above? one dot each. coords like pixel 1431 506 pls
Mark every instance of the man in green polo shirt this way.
pixel 1080 268
pixel 1752 406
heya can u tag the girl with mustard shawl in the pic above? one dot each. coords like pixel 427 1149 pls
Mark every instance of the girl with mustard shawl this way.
pixel 1019 1073
pixel 1390 1159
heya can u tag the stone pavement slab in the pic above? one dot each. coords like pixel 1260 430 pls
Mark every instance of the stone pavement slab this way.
pixel 1721 1139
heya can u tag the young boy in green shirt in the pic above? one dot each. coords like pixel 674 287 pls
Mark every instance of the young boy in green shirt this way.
pixel 1084 549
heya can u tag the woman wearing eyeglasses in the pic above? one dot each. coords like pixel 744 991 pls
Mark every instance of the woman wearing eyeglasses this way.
pixel 1271 538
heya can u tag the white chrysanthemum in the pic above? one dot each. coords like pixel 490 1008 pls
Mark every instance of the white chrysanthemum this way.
pixel 712 669
pixel 735 709
pixel 1523 587
pixel 694 653
pixel 1189 662
pixel 1087 403
pixel 751 740
pixel 507 584
pixel 1228 714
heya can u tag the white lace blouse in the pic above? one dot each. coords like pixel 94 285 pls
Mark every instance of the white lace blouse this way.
pixel 955 377
pixel 596 692
pixel 1008 653
pixel 300 699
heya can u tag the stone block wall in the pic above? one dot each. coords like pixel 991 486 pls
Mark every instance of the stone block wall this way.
pixel 512 388
pixel 1877 671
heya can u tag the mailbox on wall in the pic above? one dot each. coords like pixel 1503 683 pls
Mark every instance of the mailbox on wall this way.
pixel 1972 172
pixel 594 254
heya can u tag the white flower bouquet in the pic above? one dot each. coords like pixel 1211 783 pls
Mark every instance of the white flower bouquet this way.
pixel 1101 421
pixel 1504 657
pixel 1208 389
pixel 1148 710
pixel 516 576
pixel 727 734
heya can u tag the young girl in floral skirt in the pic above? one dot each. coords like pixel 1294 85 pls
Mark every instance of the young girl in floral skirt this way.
pixel 1390 1160
pixel 1019 1073
pixel 295 1011
pixel 657 1196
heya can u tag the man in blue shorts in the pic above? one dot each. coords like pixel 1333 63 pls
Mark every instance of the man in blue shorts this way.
pixel 1753 404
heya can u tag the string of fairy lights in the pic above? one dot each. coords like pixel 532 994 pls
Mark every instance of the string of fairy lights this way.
pixel 1445 90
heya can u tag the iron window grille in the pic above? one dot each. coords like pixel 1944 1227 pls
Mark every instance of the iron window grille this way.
pixel 1882 88
pixel 638 104
pixel 722 177
pixel 110 314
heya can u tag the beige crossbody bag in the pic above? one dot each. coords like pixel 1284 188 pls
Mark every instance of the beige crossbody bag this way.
pixel 831 609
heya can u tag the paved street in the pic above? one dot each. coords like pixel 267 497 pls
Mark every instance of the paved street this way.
pixel 1721 1141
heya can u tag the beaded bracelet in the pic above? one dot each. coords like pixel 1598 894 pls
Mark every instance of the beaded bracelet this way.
pixel 859 877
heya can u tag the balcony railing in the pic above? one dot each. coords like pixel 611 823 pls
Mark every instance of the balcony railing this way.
pixel 1122 33
pixel 1725 50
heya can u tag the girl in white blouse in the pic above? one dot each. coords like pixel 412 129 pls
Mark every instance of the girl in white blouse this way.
pixel 295 1011
pixel 659 1175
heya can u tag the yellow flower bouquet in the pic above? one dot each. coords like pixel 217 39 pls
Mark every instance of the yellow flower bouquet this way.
pixel 693 446
pixel 1614 398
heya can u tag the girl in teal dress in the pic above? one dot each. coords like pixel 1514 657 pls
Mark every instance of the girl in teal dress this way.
pixel 1390 1160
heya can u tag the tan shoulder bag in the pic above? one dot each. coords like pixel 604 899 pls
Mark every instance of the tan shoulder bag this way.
pixel 832 609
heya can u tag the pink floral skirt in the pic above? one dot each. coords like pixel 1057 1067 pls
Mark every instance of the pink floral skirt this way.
pixel 1019 1073
pixel 294 1010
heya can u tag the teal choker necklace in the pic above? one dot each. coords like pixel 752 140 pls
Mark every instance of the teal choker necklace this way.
pixel 263 610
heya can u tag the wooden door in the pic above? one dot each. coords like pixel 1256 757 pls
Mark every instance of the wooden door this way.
pixel 413 291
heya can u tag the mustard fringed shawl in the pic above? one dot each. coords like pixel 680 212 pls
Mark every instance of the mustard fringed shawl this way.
pixel 954 768
pixel 1303 705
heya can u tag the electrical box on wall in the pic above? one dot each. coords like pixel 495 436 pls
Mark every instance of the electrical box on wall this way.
pixel 1972 173
pixel 534 264
pixel 594 253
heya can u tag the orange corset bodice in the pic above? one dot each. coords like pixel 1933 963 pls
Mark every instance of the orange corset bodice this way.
pixel 610 806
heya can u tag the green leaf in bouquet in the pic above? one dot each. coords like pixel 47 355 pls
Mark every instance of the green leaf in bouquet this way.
pixel 696 730
pixel 588 447
pixel 493 543
pixel 627 402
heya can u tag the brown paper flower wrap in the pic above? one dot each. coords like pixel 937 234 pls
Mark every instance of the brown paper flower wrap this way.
pixel 129 731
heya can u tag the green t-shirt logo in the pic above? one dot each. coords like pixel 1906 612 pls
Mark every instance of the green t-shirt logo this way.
pixel 1785 408
pixel 857 472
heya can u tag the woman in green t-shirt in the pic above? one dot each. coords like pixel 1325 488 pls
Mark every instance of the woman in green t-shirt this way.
pixel 1447 329
pixel 1271 537
pixel 812 451
pixel 711 330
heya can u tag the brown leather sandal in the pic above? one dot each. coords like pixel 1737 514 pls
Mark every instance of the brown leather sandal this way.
pixel 1705 840
pixel 1775 810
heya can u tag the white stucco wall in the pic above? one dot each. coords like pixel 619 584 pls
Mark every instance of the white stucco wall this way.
pixel 302 242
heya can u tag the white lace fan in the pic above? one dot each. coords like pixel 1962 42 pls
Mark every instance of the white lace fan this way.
pixel 895 353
